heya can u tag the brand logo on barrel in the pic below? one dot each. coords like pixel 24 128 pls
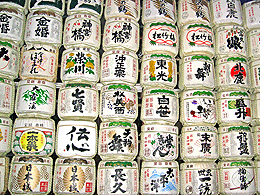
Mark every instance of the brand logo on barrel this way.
pixel 74 179
pixel 80 63
pixel 32 141
pixel 238 73
pixel 200 36
pixel 158 70
pixel 235 39
pixel 81 30
pixel 242 111
pixel 122 32
pixel 163 181
pixel 162 35
pixel 36 97
pixel 37 62
pixel 28 177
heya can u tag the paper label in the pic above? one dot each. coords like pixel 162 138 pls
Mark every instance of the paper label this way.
pixel 159 69
pixel 118 180
pixel 232 73
pixel 238 180
pixel 6 96
pixel 193 10
pixel 39 63
pixel 5 136
pixel 74 179
pixel 9 57
pixel 33 141
pixel 199 181
pixel 31 177
pixel 199 110
pixel 82 30
pixel 34 96
pixel 198 72
pixel 118 104
pixel 12 26
pixel 160 107
pixel 254 44
pixel 230 41
pixel 118 141
pixel 160 36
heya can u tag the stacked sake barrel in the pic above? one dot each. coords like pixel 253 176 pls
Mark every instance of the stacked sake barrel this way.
pixel 233 99
pixel 11 39
pixel 33 132
pixel 251 23
pixel 160 102
pixel 118 173
pixel 76 139
pixel 199 139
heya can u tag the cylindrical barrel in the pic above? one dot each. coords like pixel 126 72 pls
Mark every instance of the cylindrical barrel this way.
pixel 118 102
pixel 33 137
pixel 76 138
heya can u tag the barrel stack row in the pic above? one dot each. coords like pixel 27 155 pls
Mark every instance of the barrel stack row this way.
pixel 160 101
pixel 233 142
pixel 36 59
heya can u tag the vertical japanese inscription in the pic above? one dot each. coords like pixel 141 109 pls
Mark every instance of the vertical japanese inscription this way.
pixel 235 38
pixel 42 27
pixel 161 182
pixel 238 73
pixel 28 177
pixel 205 178
pixel 36 62
pixel 79 63
pixel 119 178
pixel 163 110
pixel 122 32
pixel 243 143
pixel 5 23
pixel 241 108
pixel 163 145
pixel 83 32
pixel 79 139
pixel 231 9
pixel 119 143
pixel 203 72
pixel 78 100
pixel 205 143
